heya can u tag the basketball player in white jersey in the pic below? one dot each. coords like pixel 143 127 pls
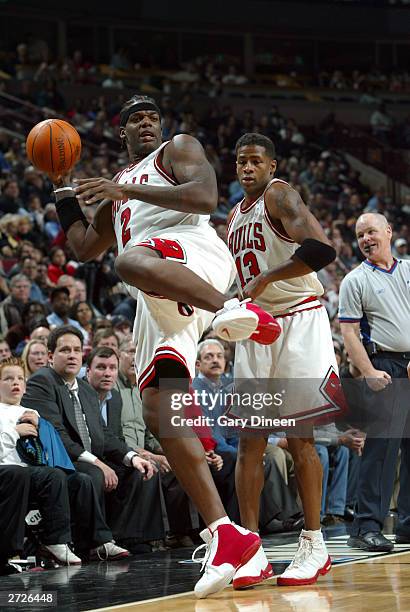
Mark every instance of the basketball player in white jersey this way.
pixel 278 246
pixel 156 212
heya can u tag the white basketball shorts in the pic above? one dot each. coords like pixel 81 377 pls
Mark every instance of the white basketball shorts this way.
pixel 299 369
pixel 164 329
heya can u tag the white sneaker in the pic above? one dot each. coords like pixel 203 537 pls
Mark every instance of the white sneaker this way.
pixel 109 552
pixel 227 548
pixel 255 571
pixel 60 553
pixel 311 561
pixel 242 320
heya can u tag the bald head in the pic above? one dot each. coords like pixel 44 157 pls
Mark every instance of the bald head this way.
pixel 374 236
pixel 372 219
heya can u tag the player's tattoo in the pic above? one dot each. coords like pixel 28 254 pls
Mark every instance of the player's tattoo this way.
pixel 288 202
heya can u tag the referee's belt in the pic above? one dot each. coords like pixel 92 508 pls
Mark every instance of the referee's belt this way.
pixel 372 349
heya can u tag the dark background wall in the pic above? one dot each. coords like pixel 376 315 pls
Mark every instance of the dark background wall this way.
pixel 288 16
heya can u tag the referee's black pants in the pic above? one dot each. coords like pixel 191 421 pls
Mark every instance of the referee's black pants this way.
pixel 388 430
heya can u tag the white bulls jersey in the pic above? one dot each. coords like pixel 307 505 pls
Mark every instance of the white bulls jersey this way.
pixel 258 244
pixel 136 220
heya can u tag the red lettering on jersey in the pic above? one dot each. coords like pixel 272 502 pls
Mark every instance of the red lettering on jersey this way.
pixel 144 179
pixel 125 232
pixel 239 270
pixel 230 241
pixel 237 240
pixel 249 242
pixel 250 262
pixel 259 240
pixel 247 264
pixel 245 229
pixel 249 236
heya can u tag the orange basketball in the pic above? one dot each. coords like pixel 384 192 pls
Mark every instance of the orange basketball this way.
pixel 53 146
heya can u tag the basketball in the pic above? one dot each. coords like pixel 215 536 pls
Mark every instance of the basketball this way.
pixel 53 146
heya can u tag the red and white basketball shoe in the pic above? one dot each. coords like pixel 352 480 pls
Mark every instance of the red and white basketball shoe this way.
pixel 311 561
pixel 227 549
pixel 242 320
pixel 254 572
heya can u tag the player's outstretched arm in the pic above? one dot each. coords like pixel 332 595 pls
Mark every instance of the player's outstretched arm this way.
pixel 315 252
pixel 87 240
pixel 196 192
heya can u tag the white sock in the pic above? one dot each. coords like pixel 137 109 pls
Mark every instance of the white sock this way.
pixel 225 520
pixel 312 533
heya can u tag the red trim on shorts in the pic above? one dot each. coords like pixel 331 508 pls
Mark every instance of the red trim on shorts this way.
pixel 163 352
pixel 160 168
pixel 290 314
pixel 312 298
pixel 321 414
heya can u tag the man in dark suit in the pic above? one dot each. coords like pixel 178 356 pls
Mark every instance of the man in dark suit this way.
pixel 72 406
pixel 102 374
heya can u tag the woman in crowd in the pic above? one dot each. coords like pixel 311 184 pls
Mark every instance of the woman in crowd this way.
pixel 56 267
pixel 82 312
pixel 35 356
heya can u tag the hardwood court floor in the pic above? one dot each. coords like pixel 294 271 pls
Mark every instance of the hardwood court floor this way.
pixel 377 584
pixel 164 582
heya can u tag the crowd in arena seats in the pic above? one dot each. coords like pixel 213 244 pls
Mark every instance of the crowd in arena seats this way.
pixel 370 83
pixel 32 60
pixel 43 288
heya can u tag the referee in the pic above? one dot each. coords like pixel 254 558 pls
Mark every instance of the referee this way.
pixel 374 312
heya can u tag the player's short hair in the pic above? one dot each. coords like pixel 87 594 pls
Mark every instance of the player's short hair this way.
pixel 252 138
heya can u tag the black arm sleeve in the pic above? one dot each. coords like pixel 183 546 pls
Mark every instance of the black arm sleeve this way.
pixel 69 211
pixel 315 254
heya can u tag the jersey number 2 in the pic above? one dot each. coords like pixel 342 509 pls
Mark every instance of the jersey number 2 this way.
pixel 125 219
pixel 250 263
pixel 126 215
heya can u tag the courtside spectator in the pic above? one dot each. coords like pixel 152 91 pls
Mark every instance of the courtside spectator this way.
pixel 73 408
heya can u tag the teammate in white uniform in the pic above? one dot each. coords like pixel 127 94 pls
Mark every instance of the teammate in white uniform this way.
pixel 156 212
pixel 278 245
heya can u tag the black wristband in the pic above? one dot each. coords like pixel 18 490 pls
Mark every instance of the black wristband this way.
pixel 315 254
pixel 69 211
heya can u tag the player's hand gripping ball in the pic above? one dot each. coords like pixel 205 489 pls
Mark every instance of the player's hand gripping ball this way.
pixel 54 147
